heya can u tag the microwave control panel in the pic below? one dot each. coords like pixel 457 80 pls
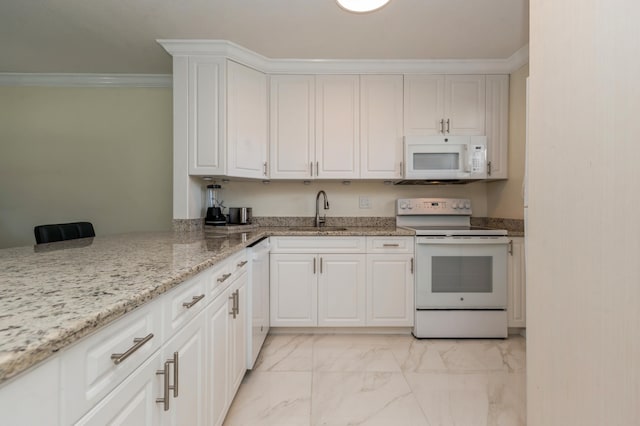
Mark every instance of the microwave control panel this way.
pixel 478 158
pixel 433 206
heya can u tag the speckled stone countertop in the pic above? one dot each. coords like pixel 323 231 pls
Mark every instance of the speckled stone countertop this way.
pixel 52 295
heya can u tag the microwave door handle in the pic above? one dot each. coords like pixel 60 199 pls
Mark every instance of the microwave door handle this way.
pixel 467 159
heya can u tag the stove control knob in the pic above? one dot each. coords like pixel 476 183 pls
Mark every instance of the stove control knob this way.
pixel 454 205
pixel 403 205
pixel 467 205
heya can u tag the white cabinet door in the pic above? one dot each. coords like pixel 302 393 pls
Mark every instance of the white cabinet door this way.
pixel 294 290
pixel 341 290
pixel 187 405
pixel 33 397
pixel 218 398
pixel 199 114
pixel 464 104
pixel 246 122
pixel 292 129
pixel 133 402
pixel 516 284
pixel 437 104
pixel 497 126
pixel 423 104
pixel 337 126
pixel 381 126
pixel 238 332
pixel 390 290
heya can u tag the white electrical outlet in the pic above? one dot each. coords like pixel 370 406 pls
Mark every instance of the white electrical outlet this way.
pixel 365 202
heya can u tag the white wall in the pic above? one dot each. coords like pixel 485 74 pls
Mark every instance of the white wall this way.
pixel 95 154
pixel 583 240
pixel 296 199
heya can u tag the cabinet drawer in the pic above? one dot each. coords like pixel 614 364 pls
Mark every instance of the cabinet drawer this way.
pixel 88 372
pixel 318 244
pixel 185 301
pixel 227 272
pixel 390 244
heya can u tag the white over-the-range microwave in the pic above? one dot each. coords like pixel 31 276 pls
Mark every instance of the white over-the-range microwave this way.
pixel 445 158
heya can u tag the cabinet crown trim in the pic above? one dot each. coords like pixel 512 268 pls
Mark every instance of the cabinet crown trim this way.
pixel 340 66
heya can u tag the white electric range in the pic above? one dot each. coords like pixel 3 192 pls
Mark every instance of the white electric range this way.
pixel 461 270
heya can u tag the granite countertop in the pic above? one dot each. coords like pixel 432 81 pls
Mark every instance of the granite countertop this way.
pixel 51 295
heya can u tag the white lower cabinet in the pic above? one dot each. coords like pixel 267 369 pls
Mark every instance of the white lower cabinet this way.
pixel 133 402
pixel 185 356
pixel 351 282
pixel 516 285
pixel 177 360
pixel 308 290
pixel 341 290
pixel 294 290
pixel 390 291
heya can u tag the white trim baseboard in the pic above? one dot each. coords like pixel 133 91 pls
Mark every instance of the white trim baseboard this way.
pixel 85 80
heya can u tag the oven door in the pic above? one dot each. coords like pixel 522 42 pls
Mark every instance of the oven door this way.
pixel 461 272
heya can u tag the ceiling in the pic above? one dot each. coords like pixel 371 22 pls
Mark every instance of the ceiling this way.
pixel 118 36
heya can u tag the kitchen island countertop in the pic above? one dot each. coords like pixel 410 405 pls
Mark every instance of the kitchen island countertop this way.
pixel 52 295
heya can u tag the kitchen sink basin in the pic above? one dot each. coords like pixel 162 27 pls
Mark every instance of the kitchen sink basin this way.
pixel 317 229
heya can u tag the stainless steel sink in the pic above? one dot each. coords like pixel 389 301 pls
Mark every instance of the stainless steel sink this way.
pixel 317 229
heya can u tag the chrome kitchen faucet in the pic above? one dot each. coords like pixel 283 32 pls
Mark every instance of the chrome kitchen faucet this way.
pixel 320 221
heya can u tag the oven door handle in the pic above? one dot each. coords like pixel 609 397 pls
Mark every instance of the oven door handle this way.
pixel 463 241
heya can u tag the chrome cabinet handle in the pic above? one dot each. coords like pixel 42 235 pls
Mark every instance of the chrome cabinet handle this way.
pixel 223 278
pixel 139 342
pixel 412 265
pixel 488 168
pixel 317 168
pixel 194 300
pixel 311 168
pixel 401 169
pixel 390 245
pixel 510 250
pixel 235 303
pixel 314 265
pixel 241 264
pixel 320 265
pixel 442 126
pixel 175 374
pixel 167 386
pixel 265 168
pixel 165 396
pixel 448 125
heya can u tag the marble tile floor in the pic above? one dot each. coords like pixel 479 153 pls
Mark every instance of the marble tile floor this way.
pixel 386 380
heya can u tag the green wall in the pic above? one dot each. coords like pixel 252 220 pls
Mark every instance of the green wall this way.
pixel 102 155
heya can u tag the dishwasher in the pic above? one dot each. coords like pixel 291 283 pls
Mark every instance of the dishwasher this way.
pixel 258 299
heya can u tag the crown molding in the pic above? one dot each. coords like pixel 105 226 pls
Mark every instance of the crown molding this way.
pixel 235 52
pixel 85 80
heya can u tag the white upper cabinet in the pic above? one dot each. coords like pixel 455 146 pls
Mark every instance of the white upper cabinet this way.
pixel 497 126
pixel 220 111
pixel 292 126
pixel 199 112
pixel 381 103
pixel 437 104
pixel 247 110
pixel 337 126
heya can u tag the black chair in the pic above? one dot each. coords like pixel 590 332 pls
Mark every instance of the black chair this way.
pixel 63 231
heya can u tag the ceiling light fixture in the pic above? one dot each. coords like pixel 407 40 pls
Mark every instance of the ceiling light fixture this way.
pixel 361 6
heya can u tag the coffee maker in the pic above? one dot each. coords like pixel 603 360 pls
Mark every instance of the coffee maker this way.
pixel 214 207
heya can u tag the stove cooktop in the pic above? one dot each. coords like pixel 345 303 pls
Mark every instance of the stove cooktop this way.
pixel 450 230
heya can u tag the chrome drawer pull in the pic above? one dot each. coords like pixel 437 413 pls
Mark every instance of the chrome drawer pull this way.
pixel 223 278
pixel 165 396
pixel 390 245
pixel 241 264
pixel 139 342
pixel 175 374
pixel 194 300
